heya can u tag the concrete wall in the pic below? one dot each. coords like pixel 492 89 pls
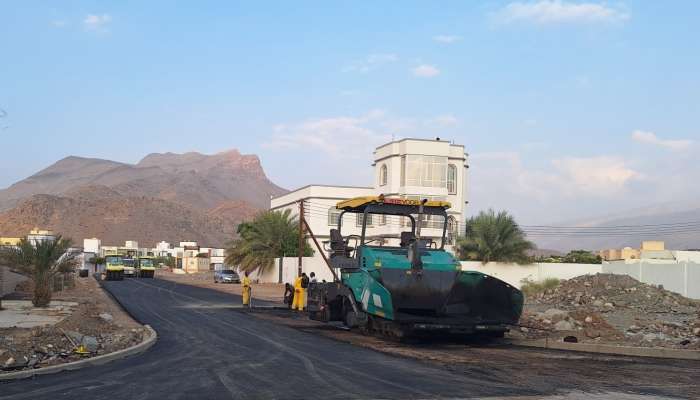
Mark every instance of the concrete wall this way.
pixel 9 280
pixel 515 274
pixel 679 277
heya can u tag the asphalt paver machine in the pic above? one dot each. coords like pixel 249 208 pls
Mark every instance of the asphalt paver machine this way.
pixel 406 284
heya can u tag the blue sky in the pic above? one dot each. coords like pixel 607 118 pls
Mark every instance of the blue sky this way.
pixel 567 109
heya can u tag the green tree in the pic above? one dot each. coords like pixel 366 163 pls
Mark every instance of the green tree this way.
pixel 41 261
pixel 97 261
pixel 269 235
pixel 582 257
pixel 493 237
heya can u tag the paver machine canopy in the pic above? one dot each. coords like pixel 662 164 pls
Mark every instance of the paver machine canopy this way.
pixel 406 282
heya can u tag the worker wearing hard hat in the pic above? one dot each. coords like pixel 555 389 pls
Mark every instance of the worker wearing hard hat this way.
pixel 246 290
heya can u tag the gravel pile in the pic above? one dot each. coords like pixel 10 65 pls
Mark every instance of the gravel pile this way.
pixel 614 308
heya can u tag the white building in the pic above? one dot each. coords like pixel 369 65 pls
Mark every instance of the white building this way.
pixel 93 246
pixel 37 235
pixel 406 168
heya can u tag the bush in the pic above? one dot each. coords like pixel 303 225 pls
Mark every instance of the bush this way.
pixel 530 288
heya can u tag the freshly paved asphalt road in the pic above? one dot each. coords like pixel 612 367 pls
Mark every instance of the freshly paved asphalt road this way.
pixel 209 349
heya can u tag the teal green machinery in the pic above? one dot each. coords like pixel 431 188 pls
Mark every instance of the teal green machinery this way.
pixel 412 286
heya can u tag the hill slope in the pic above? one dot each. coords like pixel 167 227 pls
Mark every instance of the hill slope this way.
pixel 687 236
pixel 97 211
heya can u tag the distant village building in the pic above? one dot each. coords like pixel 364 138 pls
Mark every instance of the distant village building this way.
pixel 37 235
pixel 650 251
pixel 406 169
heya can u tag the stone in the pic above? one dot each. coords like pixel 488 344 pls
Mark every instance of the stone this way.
pixel 524 329
pixel 588 319
pixel 609 305
pixel 90 343
pixel 634 328
pixel 650 337
pixel 563 325
pixel 546 321
pixel 555 315
pixel 696 331
pixel 598 303
pixel 9 361
pixel 107 317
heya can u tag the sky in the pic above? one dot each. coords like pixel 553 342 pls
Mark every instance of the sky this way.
pixel 567 109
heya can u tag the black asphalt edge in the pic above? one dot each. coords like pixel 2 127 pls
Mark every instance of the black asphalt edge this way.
pixel 119 303
pixel 597 348
pixel 92 361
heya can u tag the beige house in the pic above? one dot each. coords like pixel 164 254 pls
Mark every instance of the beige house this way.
pixel 649 250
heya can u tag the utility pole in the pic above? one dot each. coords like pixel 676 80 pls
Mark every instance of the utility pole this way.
pixel 301 236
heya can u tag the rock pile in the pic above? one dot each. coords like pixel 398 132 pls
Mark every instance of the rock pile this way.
pixel 614 308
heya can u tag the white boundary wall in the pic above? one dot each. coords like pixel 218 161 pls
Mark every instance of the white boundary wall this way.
pixel 679 277
pixel 682 277
pixel 289 270
pixel 515 274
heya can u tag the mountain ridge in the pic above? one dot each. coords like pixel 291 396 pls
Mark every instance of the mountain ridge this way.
pixel 194 195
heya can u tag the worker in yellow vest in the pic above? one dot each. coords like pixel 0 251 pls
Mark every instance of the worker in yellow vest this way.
pixel 299 294
pixel 246 290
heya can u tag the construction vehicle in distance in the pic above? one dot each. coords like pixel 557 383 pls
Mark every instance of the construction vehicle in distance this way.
pixel 129 267
pixel 412 288
pixel 114 268
pixel 146 268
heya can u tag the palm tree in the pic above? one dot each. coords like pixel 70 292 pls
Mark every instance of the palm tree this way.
pixel 42 260
pixel 269 235
pixel 494 237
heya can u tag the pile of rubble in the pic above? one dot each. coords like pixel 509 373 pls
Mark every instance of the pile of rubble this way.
pixel 94 326
pixel 43 346
pixel 616 309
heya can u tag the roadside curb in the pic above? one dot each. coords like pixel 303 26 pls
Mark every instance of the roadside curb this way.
pixel 88 362
pixel 610 349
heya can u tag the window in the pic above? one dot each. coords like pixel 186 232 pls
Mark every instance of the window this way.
pixel 451 179
pixel 403 171
pixel 451 230
pixel 361 216
pixel 383 175
pixel 333 216
pixel 382 219
pixel 426 171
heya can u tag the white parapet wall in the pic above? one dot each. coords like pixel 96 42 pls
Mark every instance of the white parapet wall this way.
pixel 516 274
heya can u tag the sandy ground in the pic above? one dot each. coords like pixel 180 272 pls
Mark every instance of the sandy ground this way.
pixel 272 292
pixel 97 320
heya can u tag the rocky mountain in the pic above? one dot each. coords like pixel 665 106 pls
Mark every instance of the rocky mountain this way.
pixel 170 197
pixel 678 225
pixel 199 180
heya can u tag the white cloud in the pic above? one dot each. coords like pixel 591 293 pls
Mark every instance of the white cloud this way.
pixel 341 137
pixel 593 175
pixel 445 120
pixel 94 22
pixel 371 62
pixel 558 11
pixel 448 39
pixel 426 71
pixel 651 138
